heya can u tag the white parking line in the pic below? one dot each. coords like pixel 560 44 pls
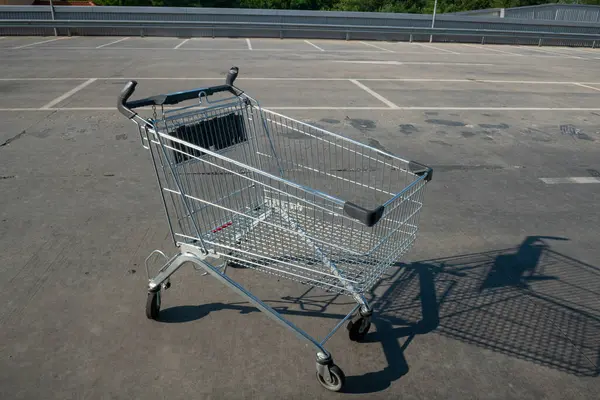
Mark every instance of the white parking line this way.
pixel 410 108
pixel 249 43
pixel 580 50
pixel 377 47
pixel 316 108
pixel 489 47
pixel 319 49
pixel 374 94
pixel 44 79
pixel 181 44
pixel 397 108
pixel 43 41
pixel 108 44
pixel 258 78
pixel 436 48
pixel 23 109
pixel 475 80
pixel 227 50
pixel 573 179
pixel 587 86
pixel 60 109
pixel 552 52
pixel 586 49
pixel 570 52
pixel 411 63
pixel 314 45
pixel 68 94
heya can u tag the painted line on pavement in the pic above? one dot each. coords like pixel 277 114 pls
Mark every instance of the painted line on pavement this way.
pixel 43 41
pixel 573 179
pixel 108 44
pixel 377 47
pixel 374 94
pixel 314 45
pixel 401 108
pixel 68 94
pixel 181 44
pixel 435 48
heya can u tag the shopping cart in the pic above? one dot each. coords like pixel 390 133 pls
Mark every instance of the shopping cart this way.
pixel 247 186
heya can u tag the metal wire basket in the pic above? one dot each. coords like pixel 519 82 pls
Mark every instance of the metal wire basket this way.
pixel 268 192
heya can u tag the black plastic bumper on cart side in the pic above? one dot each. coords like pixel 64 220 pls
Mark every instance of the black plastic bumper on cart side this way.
pixel 420 169
pixel 126 107
pixel 371 217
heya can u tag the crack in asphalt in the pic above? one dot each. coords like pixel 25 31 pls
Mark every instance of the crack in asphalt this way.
pixel 24 131
pixel 12 139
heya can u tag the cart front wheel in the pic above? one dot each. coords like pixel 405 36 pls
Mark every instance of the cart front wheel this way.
pixel 337 379
pixel 358 328
pixel 153 305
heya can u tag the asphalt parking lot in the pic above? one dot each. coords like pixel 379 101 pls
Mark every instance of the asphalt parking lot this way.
pixel 498 299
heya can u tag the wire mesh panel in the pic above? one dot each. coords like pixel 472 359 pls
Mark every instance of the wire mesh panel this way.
pixel 269 192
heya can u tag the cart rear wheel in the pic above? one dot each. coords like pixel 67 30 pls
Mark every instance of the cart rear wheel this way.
pixel 153 305
pixel 358 328
pixel 337 379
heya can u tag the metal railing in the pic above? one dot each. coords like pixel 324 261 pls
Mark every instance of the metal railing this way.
pixel 188 22
pixel 556 12
pixel 549 12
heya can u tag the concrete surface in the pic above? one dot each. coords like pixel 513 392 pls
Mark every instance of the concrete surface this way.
pixel 498 299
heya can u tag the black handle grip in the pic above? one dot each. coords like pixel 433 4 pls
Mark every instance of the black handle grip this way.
pixel 233 73
pixel 124 96
pixel 126 107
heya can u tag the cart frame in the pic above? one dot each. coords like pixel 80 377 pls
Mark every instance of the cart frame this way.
pixel 194 250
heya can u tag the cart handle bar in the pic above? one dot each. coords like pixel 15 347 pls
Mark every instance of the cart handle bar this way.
pixel 126 107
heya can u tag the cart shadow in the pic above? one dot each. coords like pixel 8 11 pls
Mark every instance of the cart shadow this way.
pixel 308 304
pixel 396 332
pixel 528 302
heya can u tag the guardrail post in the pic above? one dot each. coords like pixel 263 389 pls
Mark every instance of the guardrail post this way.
pixel 347 35
pixel 53 17
pixel 281 34
pixel 213 32
pixel 410 39
pixel 483 40
pixel 540 43
pixel 594 44
pixel 142 32
pixel 69 32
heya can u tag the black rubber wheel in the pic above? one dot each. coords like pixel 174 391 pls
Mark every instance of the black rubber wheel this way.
pixel 358 329
pixel 337 379
pixel 153 305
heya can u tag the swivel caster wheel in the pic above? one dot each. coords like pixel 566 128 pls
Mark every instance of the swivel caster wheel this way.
pixel 358 327
pixel 336 379
pixel 153 305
